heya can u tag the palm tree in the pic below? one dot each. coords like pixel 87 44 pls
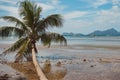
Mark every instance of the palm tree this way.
pixel 29 30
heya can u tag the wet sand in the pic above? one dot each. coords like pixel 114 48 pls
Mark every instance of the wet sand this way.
pixel 83 62
pixel 86 62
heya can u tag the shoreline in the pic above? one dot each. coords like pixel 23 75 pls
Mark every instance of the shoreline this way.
pixel 96 62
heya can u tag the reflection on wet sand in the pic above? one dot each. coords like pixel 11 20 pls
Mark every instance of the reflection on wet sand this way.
pixel 28 70
pixel 53 75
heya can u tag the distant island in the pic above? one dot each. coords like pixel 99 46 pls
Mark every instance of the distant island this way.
pixel 108 32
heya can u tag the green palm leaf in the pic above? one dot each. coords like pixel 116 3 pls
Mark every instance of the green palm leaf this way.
pixel 47 38
pixel 18 23
pixel 52 20
pixel 15 46
pixel 26 11
pixel 22 49
pixel 6 31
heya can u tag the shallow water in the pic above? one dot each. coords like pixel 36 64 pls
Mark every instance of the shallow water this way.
pixel 110 41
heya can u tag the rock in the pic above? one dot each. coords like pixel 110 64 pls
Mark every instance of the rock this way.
pixel 58 64
pixel 84 60
pixel 92 66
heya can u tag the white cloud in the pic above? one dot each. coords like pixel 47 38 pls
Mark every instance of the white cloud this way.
pixel 55 2
pixel 46 6
pixel 4 23
pixel 116 2
pixel 52 5
pixel 13 11
pixel 9 8
pixel 97 20
pixel 98 3
pixel 9 1
pixel 74 14
pixel 105 19
pixel 108 16
pixel 95 3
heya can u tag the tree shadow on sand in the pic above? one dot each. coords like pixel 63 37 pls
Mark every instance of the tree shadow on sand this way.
pixel 28 70
pixel 53 75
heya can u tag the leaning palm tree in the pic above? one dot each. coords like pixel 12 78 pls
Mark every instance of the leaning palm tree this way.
pixel 30 29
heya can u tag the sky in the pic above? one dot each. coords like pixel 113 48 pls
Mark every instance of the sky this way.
pixel 80 16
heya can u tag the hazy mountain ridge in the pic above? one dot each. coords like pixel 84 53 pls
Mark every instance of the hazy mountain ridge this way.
pixel 108 32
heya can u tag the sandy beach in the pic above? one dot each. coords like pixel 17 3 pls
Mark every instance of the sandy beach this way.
pixel 87 62
pixel 81 62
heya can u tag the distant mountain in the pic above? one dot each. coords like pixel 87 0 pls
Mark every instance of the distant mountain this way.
pixel 72 34
pixel 108 32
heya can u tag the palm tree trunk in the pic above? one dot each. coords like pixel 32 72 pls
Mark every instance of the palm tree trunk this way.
pixel 37 67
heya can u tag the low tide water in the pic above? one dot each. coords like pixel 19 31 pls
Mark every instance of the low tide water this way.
pixel 110 41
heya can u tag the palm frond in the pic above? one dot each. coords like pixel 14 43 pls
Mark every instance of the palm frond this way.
pixel 18 23
pixel 30 13
pixel 41 26
pixel 37 11
pixel 15 46
pixel 54 20
pixel 22 50
pixel 6 31
pixel 47 38
pixel 26 11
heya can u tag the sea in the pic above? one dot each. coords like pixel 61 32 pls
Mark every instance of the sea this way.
pixel 104 41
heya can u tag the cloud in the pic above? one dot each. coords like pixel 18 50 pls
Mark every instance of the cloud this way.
pixel 9 8
pixel 12 11
pixel 105 19
pixel 52 5
pixel 116 2
pixel 98 3
pixel 46 7
pixel 95 3
pixel 96 20
pixel 8 1
pixel 5 23
pixel 55 2
pixel 74 14
pixel 108 17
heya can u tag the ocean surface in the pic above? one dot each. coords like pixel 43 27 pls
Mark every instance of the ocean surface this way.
pixel 104 41
pixel 110 41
